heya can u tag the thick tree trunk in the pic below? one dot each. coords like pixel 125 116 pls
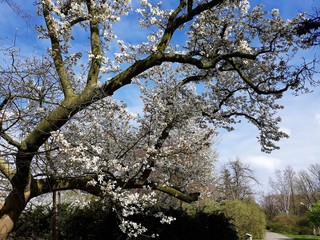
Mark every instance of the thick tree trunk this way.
pixel 6 226
pixel 11 210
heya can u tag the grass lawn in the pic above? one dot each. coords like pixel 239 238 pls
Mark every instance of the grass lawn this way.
pixel 303 237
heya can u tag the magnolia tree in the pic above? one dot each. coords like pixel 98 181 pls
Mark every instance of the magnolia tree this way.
pixel 203 65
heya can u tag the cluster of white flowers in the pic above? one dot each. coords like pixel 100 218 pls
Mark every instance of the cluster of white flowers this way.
pixel 132 229
pixel 244 47
pixel 244 6
pixel 6 115
pixel 164 219
pixel 275 12
pixel 112 67
pixel 102 58
pixel 152 14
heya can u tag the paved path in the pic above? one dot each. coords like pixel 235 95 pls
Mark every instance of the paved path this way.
pixel 276 236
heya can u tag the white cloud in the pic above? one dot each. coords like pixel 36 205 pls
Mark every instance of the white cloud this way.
pixel 264 167
pixel 269 164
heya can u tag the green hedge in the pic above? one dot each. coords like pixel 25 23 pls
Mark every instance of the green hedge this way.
pixel 98 221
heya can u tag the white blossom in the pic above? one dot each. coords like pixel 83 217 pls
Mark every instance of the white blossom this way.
pixel 275 12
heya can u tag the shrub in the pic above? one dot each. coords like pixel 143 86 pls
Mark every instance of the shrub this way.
pixel 91 223
pixel 199 225
pixel 34 223
pixel 284 223
pixel 303 226
pixel 247 216
pixel 98 221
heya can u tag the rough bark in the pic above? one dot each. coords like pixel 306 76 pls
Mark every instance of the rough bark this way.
pixel 11 210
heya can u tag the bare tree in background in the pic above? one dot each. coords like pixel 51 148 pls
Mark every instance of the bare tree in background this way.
pixel 282 189
pixel 236 180
pixel 308 184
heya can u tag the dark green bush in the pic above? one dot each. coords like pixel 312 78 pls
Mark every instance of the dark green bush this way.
pixel 34 223
pixel 303 226
pixel 200 225
pixel 103 225
pixel 95 221
pixel 98 221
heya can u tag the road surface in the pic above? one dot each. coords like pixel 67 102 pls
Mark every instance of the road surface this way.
pixel 276 236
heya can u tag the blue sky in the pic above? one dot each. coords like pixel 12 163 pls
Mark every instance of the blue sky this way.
pixel 301 115
pixel 300 119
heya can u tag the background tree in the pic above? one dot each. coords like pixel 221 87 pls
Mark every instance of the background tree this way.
pixel 283 189
pixel 308 184
pixel 58 113
pixel 236 180
pixel 291 198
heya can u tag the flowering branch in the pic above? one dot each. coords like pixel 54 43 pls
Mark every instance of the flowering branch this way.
pixel 56 51
pixel 256 88
pixel 201 64
pixel 175 22
pixel 42 186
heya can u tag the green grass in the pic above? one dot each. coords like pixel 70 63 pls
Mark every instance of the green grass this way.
pixel 303 237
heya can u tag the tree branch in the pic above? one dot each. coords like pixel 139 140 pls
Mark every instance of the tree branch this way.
pixel 95 46
pixel 5 136
pixel 190 5
pixel 253 86
pixel 194 78
pixel 42 186
pixel 151 161
pixel 56 52
pixel 126 76
pixel 6 169
pixel 174 22
pixel 189 59
pixel 9 139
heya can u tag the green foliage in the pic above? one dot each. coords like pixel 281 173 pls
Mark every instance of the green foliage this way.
pixel 98 221
pixel 247 216
pixel 284 223
pixel 95 221
pixel 313 214
pixel 206 206
pixel 34 223
pixel 290 224
pixel 303 226
pixel 199 225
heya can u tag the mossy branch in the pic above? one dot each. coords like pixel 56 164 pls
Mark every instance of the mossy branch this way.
pixel 42 186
